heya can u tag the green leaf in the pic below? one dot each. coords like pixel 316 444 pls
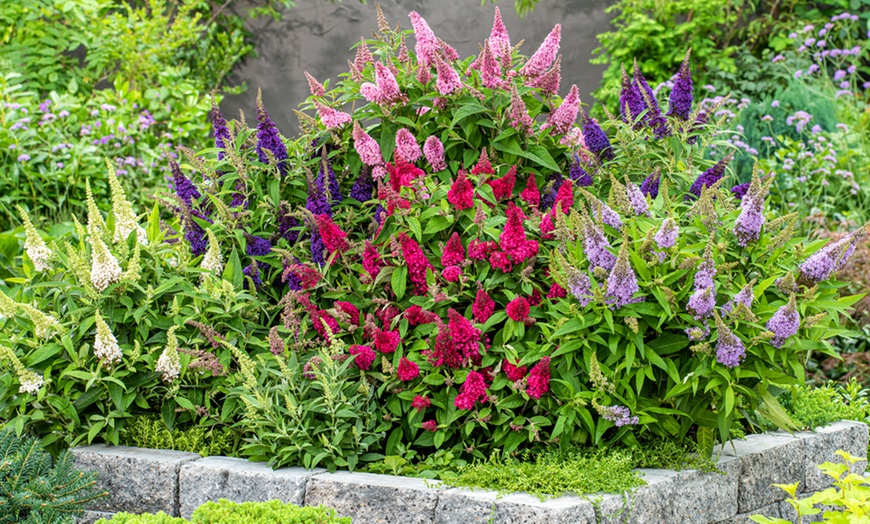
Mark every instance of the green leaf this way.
pixel 399 281
pixel 465 111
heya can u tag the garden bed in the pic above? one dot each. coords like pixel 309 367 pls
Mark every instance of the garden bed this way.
pixel 147 480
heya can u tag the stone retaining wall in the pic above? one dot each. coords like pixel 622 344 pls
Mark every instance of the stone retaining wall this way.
pixel 147 480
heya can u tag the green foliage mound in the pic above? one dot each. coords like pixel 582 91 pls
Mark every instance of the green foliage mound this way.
pixel 811 407
pixel 152 432
pixel 226 512
pixel 33 490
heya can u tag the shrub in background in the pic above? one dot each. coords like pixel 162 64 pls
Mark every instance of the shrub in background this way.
pixel 568 286
pixel 34 489
pixel 113 321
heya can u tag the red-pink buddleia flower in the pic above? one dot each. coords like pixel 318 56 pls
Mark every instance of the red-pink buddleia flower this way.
pixel 531 194
pixel 387 84
pixel 406 146
pixel 472 390
pixel 500 260
pixel 321 320
pixel 331 118
pixel 434 151
pixel 466 337
pixel 547 226
pixel 514 373
pixel 518 309
pixel 416 261
pixel 480 249
pixel 371 260
pixel 544 56
pixel 418 316
pixel 315 86
pixel 452 273
pixel 364 356
pixel 483 307
pixel 334 239
pixel 520 119
pixel 461 193
pixel 448 79
pixel 429 425
pixel 483 166
pixel 565 196
pixel 420 402
pixel 500 40
pixel 386 341
pixel 503 187
pixel 564 117
pixel 407 370
pixel 427 45
pixel 350 310
pixel 557 291
pixel 454 253
pixel 368 149
pixel 539 379
pixel 513 240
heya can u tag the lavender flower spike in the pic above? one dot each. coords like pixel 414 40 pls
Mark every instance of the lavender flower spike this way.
pixel 268 138
pixel 622 282
pixel 729 349
pixel 680 103
pixel 747 227
pixel 784 323
pixel 597 247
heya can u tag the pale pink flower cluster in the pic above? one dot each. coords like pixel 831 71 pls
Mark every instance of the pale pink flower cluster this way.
pixel 385 91
pixel 331 118
pixel 368 149
pixel 448 79
pixel 406 146
pixel 434 151
pixel 563 118
pixel 545 55
pixel 427 45
pixel 520 118
pixel 315 86
pixel 500 40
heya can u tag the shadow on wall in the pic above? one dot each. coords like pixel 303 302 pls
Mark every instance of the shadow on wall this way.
pixel 316 36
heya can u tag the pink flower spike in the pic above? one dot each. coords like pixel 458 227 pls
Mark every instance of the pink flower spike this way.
pixel 520 118
pixel 368 149
pixel 500 40
pixel 563 118
pixel 371 92
pixel 331 118
pixel 449 52
pixel 315 86
pixel 549 82
pixel 387 84
pixel 434 151
pixel 448 79
pixel 363 55
pixel 406 146
pixel 427 45
pixel 544 56
pixel 490 71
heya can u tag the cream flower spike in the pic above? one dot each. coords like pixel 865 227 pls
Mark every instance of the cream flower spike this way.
pixel 34 246
pixel 125 218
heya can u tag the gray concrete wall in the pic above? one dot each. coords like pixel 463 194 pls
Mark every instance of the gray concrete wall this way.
pixel 316 36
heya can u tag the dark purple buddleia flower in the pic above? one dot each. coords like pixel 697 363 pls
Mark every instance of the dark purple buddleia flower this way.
pixel 317 247
pixel 549 197
pixel 182 185
pixel 252 272
pixel 287 225
pixel 317 202
pixel 709 177
pixel 654 118
pixel 364 186
pixel 697 125
pixel 650 184
pixel 294 283
pixel 258 246
pixel 194 234
pixel 332 179
pixel 269 139
pixel 578 174
pixel 596 139
pixel 739 191
pixel 630 100
pixel 239 199
pixel 380 213
pixel 219 126
pixel 680 103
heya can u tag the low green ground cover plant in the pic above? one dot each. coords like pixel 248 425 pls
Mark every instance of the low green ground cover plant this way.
pixel 151 432
pixel 454 265
pixel 812 406
pixel 36 489
pixel 226 512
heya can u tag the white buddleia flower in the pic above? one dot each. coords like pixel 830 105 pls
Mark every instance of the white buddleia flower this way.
pixel 105 269
pixel 212 260
pixel 169 363
pixel 125 218
pixel 106 346
pixel 30 382
pixel 43 324
pixel 34 246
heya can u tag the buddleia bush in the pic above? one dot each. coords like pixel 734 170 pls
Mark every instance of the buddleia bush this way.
pixel 500 275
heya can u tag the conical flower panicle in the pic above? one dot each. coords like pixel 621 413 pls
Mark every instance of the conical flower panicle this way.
pixel 596 140
pixel 125 218
pixel 490 70
pixel 654 118
pixel 427 45
pixel 406 146
pixel 545 55
pixel 564 117
pixel 710 176
pixel 730 350
pixel 520 118
pixel 434 151
pixel 43 324
pixel 363 55
pixel 448 79
pixel 37 250
pixel 784 323
pixel 105 269
pixel 222 137
pixel 212 261
pixel 631 103
pixel 364 186
pixel 680 104
pixel 269 139
pixel 500 40
pixel 314 86
pixel 622 282
pixel 106 346
pixel 96 224
pixel 169 362
pixel 550 81
pixel 650 184
pixel 748 225
pixel 331 118
pixel 328 173
pixel 366 147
